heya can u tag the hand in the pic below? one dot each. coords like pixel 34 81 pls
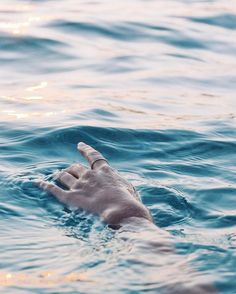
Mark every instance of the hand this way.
pixel 98 189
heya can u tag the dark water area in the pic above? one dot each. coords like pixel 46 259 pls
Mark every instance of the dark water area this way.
pixel 151 85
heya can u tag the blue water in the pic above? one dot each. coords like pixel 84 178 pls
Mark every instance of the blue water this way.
pixel 150 84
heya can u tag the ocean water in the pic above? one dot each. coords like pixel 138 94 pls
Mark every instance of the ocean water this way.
pixel 150 84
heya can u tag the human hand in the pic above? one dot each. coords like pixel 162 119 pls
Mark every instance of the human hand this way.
pixel 98 189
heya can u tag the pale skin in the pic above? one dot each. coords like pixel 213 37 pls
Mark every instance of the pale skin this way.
pixel 98 189
pixel 101 190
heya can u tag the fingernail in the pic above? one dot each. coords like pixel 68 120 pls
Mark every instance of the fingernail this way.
pixel 81 144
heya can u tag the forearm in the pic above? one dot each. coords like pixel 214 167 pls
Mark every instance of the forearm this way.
pixel 155 248
pixel 144 233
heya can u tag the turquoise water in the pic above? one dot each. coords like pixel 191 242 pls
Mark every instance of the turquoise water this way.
pixel 150 84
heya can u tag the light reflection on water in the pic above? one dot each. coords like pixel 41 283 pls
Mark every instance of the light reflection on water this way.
pixel 151 84
pixel 153 54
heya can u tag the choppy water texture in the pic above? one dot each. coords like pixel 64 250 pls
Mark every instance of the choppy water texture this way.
pixel 151 84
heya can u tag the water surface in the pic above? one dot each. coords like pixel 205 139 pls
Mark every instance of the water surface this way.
pixel 150 84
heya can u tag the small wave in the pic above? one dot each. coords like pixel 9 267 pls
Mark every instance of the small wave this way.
pixel 227 21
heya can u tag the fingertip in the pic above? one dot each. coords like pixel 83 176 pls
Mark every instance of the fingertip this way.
pixel 41 184
pixel 81 145
pixel 36 182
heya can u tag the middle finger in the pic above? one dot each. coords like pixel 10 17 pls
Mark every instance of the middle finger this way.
pixel 76 170
pixel 66 179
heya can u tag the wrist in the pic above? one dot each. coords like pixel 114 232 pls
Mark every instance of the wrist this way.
pixel 126 212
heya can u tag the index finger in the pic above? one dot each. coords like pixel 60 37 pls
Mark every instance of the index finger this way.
pixel 95 158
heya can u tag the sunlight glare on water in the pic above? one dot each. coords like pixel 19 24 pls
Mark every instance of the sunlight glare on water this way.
pixel 150 84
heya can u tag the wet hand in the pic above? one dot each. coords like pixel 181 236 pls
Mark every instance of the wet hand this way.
pixel 98 189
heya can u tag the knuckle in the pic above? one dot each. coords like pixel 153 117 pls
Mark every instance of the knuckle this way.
pixel 60 174
pixel 88 174
pixel 77 186
pixel 93 153
pixel 50 186
pixel 71 168
pixel 106 169
pixel 77 165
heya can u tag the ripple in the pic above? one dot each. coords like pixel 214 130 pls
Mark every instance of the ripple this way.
pixel 227 21
pixel 115 32
pixel 150 85
pixel 17 51
pixel 47 149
